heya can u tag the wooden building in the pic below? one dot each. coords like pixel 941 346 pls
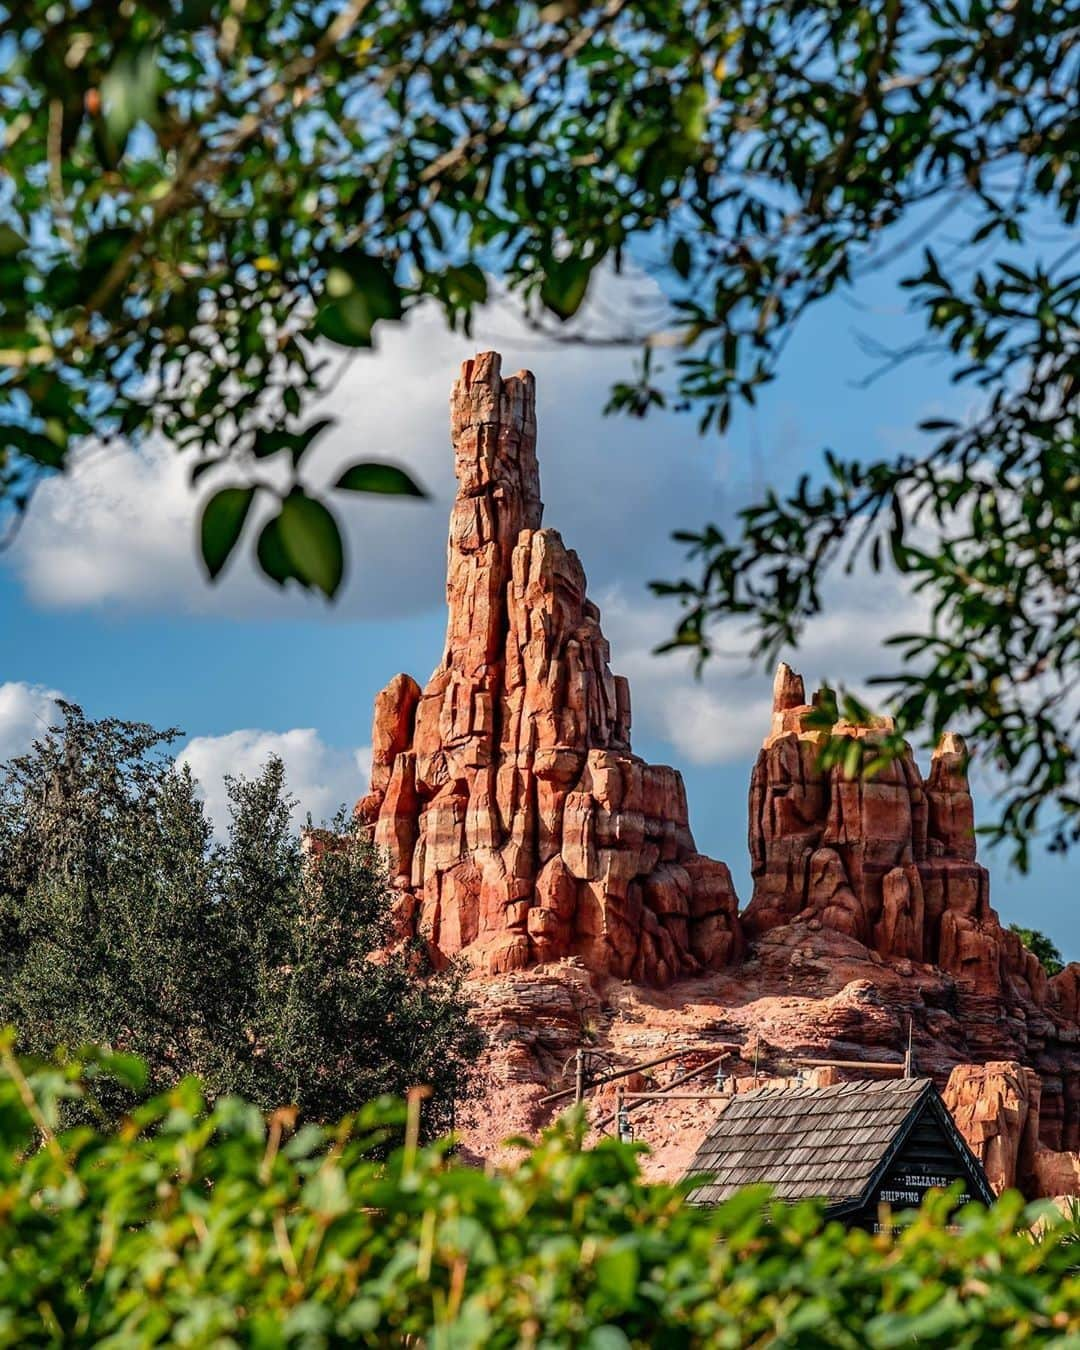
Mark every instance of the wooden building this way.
pixel 857 1146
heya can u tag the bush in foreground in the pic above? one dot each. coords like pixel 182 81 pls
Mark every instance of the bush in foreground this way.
pixel 201 1227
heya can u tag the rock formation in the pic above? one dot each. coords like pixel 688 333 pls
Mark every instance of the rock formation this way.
pixel 886 858
pixel 520 826
pixel 522 832
pixel 996 1107
pixel 890 861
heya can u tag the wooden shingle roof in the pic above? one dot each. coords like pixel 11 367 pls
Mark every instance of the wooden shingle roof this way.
pixel 806 1142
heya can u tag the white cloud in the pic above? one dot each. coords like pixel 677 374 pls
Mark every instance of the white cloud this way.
pixel 724 716
pixel 26 712
pixel 115 529
pixel 319 776
pixel 119 530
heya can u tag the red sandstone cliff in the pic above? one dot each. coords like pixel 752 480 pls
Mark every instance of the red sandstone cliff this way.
pixel 888 859
pixel 520 826
pixel 524 833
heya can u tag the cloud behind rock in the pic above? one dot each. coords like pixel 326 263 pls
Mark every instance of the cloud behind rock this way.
pixel 118 531
pixel 319 776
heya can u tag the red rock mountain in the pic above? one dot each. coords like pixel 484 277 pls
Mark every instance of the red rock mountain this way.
pixel 524 833
pixel 520 826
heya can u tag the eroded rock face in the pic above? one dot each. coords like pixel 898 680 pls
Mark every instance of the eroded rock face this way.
pixel 521 830
pixel 890 861
pixel 887 859
pixel 519 825
pixel 997 1108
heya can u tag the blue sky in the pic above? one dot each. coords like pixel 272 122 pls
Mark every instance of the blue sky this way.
pixel 102 600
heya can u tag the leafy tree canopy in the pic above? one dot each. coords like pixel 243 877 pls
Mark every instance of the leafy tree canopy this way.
pixel 122 922
pixel 1043 947
pixel 196 194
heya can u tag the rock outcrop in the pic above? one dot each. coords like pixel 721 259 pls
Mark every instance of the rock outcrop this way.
pixel 886 857
pixel 996 1107
pixel 523 832
pixel 519 825
pixel 889 859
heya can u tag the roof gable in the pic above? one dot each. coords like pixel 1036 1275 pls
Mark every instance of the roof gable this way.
pixel 831 1143
pixel 931 1110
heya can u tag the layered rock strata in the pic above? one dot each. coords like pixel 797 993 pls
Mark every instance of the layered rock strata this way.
pixel 519 825
pixel 522 831
pixel 841 847
pixel 890 860
pixel 888 857
pixel 997 1109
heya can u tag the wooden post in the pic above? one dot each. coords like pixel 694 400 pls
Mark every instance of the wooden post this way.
pixel 620 1112
pixel 658 1094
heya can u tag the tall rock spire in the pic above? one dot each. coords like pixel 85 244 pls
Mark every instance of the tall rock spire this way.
pixel 519 825
pixel 521 829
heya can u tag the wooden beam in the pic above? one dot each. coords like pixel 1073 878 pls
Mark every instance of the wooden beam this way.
pixel 891 1065
pixel 681 1096
pixel 658 1094
pixel 639 1068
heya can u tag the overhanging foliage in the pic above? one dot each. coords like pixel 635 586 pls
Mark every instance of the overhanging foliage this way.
pixel 194 194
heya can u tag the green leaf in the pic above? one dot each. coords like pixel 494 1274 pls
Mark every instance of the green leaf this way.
pixel 617 1272
pixel 194 14
pixel 129 1070
pixel 358 292
pixel 690 111
pixel 466 284
pixel 746 1204
pixel 326 1193
pixel 298 443
pixel 103 249
pixel 204 466
pixel 222 522
pixel 11 242
pixel 938 1323
pixel 607 1337
pixel 373 477
pixel 42 449
pixel 305 1141
pixel 129 93
pixel 347 322
pixel 312 542
pixel 565 285
pixel 272 556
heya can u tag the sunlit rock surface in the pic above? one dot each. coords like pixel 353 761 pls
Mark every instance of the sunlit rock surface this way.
pixel 525 836
pixel 520 826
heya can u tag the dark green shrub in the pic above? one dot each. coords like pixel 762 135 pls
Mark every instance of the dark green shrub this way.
pixel 262 972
